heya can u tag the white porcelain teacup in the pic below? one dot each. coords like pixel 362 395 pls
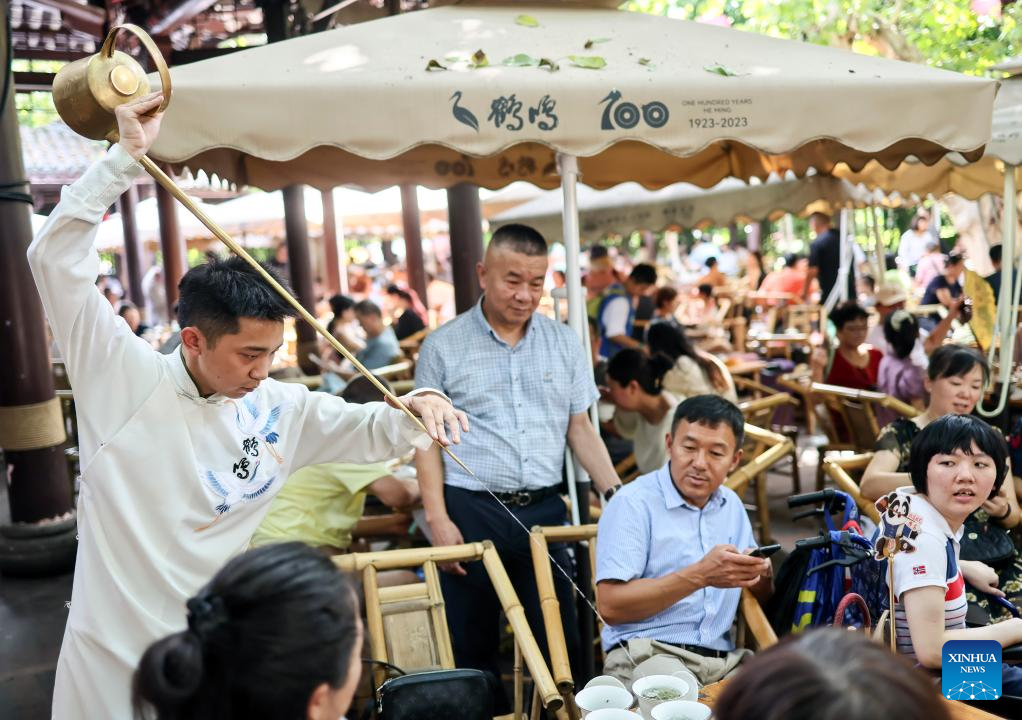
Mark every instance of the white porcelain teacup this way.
pixel 613 714
pixel 680 710
pixel 601 697
pixel 669 682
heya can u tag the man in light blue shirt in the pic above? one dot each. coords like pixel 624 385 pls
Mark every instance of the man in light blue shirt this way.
pixel 382 347
pixel 672 554
pixel 526 384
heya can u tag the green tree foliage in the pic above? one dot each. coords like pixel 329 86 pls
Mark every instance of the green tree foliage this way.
pixel 947 34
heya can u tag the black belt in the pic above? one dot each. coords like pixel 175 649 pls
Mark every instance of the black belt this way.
pixel 521 498
pixel 697 649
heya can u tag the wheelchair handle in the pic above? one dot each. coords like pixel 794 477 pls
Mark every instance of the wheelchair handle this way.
pixel 824 496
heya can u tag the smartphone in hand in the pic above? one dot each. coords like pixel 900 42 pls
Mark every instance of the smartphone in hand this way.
pixel 764 551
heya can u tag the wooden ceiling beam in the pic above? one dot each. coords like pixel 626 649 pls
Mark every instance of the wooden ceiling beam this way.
pixel 86 18
pixel 180 15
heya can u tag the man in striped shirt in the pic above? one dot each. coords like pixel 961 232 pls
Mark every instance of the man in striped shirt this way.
pixel 672 554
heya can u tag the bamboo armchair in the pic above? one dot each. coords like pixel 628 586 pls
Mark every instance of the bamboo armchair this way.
pixel 764 450
pixel 840 471
pixel 752 621
pixel 407 624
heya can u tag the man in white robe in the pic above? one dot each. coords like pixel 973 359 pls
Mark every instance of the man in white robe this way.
pixel 181 453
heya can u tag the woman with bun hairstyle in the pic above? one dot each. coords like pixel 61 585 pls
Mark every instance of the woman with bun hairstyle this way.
pixel 644 409
pixel 275 635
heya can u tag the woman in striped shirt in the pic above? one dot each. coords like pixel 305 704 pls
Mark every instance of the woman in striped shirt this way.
pixel 958 461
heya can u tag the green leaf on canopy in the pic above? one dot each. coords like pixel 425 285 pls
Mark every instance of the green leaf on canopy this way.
pixel 479 59
pixel 719 69
pixel 527 21
pixel 520 60
pixel 548 64
pixel 595 41
pixel 589 62
pixel 434 65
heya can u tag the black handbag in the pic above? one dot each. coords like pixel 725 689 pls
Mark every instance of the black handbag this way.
pixel 986 542
pixel 447 694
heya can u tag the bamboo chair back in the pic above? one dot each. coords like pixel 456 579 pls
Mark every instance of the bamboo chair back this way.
pixel 846 472
pixel 803 317
pixel 407 624
pixel 858 410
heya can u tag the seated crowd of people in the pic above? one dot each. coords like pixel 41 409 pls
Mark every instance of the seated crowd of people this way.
pixel 277 632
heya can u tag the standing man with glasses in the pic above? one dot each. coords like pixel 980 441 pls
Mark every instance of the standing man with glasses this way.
pixel 526 384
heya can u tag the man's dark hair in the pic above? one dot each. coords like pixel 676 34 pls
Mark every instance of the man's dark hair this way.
pixel 361 391
pixel 644 274
pixel 711 262
pixel 368 307
pixel 995 253
pixel 520 239
pixel 215 296
pixel 598 251
pixel 846 312
pixel 947 434
pixel 712 411
pixel 820 217
pixel 791 259
pixel 956 361
pixel 955 259
pixel 706 289
pixel 339 304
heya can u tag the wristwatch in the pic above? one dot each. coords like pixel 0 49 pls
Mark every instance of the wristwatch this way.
pixel 609 492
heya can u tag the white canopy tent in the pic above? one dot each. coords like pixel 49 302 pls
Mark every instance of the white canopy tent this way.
pixel 629 207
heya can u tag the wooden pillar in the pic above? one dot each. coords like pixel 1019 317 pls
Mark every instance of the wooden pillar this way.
pixel 132 249
pixel 413 241
pixel 466 222
pixel 175 259
pixel 40 484
pixel 332 276
pixel 300 268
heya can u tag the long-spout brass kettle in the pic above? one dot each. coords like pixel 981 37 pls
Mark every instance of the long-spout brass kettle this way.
pixel 86 93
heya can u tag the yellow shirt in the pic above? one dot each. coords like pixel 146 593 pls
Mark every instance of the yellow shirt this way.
pixel 319 505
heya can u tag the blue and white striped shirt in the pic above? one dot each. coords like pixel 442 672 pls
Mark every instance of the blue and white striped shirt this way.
pixel 518 399
pixel 648 531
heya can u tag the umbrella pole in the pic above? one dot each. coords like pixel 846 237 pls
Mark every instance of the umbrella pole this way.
pixel 568 166
pixel 165 182
pixel 1005 327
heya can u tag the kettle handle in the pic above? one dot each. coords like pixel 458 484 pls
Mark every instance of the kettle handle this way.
pixel 154 53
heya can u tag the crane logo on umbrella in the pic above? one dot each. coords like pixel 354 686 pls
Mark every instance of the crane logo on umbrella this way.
pixel 260 423
pixel 235 488
pixel 463 115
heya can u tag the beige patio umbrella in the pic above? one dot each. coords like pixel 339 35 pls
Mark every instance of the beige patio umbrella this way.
pixel 629 207
pixel 954 174
pixel 675 100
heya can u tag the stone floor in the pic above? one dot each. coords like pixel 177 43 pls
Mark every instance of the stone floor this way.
pixel 33 612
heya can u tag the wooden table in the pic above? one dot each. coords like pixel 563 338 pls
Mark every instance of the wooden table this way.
pixel 959 711
pixel 747 367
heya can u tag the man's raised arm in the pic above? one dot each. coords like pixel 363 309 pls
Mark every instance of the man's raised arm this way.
pixel 110 369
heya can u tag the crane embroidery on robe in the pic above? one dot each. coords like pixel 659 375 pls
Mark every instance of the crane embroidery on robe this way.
pixel 260 423
pixel 235 488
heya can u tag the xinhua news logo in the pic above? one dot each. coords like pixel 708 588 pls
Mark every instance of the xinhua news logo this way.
pixel 971 670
